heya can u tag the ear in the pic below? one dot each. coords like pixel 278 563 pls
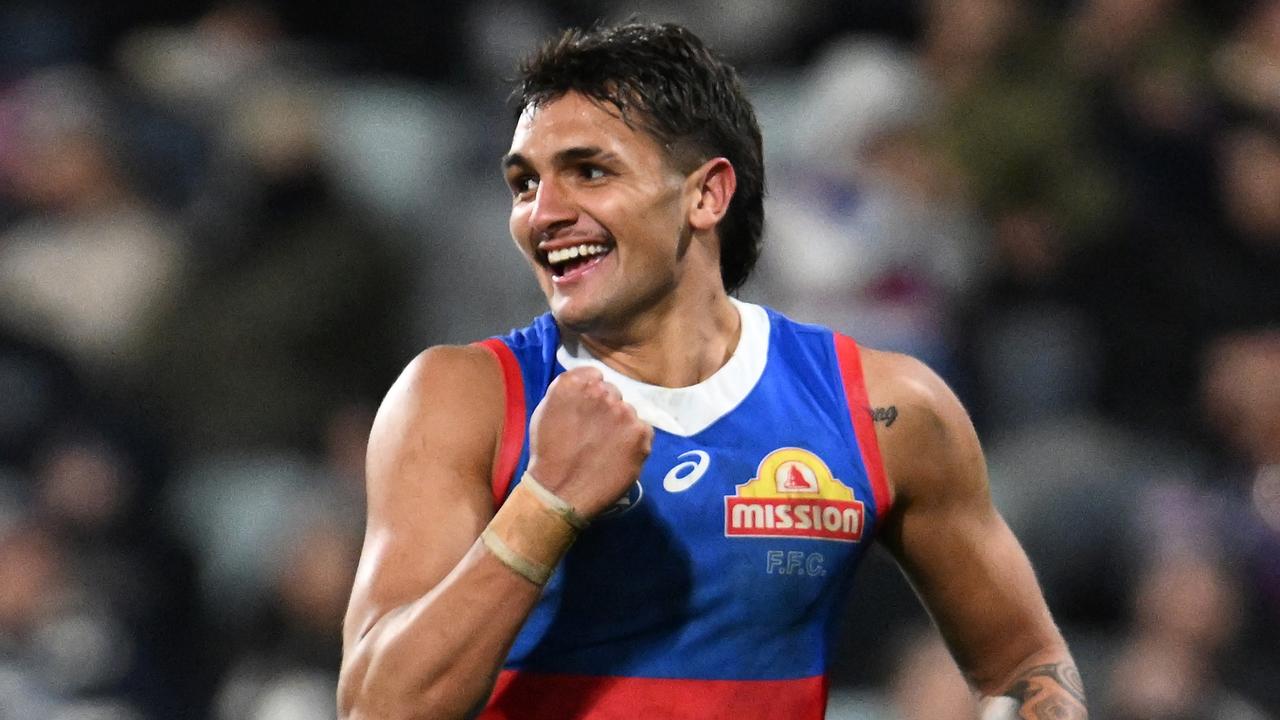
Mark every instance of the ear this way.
pixel 711 189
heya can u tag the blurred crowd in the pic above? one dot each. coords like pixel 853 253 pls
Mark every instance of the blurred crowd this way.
pixel 225 227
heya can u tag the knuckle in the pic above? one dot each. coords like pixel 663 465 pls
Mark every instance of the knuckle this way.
pixel 586 374
pixel 576 377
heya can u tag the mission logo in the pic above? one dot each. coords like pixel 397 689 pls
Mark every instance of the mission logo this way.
pixel 793 495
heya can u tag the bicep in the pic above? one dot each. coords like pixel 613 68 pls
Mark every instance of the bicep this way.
pixel 427 470
pixel 961 557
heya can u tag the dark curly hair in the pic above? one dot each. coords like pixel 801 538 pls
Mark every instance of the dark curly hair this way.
pixel 664 80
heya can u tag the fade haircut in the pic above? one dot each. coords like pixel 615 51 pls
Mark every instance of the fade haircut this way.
pixel 664 80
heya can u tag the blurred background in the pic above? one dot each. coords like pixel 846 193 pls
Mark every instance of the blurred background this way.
pixel 225 227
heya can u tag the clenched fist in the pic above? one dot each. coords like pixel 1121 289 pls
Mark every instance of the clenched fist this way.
pixel 586 444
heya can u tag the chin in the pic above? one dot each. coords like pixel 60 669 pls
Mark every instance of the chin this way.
pixel 593 316
pixel 576 320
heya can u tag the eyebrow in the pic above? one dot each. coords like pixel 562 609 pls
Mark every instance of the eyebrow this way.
pixel 568 156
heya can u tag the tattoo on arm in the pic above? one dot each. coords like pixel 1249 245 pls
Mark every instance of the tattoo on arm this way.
pixel 1049 692
pixel 885 415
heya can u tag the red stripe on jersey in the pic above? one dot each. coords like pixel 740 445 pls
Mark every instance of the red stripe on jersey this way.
pixel 521 695
pixel 855 391
pixel 512 441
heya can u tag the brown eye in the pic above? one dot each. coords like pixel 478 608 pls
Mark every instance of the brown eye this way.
pixel 524 184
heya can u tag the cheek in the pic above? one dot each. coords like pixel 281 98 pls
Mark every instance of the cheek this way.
pixel 664 224
pixel 515 220
pixel 667 207
pixel 518 226
pixel 645 215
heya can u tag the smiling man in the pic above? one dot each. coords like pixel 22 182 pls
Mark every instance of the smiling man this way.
pixel 651 501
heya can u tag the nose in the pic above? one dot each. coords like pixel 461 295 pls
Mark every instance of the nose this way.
pixel 553 207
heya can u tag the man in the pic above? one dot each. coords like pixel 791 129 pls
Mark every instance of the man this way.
pixel 721 468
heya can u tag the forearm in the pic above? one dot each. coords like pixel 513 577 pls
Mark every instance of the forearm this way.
pixel 1049 689
pixel 437 657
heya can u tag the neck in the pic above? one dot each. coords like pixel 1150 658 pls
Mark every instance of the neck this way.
pixel 676 345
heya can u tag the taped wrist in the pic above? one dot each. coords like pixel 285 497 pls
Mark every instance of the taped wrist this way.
pixel 553 502
pixel 532 530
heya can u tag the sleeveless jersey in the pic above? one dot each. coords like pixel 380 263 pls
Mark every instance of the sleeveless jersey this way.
pixel 711 590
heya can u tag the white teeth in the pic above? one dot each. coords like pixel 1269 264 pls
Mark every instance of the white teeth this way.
pixel 555 257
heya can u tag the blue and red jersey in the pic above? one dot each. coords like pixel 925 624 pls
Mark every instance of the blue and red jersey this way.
pixel 711 590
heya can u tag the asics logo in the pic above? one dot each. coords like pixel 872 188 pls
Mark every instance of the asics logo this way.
pixel 683 476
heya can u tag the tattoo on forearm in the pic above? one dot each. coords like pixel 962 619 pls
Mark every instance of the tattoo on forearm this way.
pixel 885 415
pixel 1050 692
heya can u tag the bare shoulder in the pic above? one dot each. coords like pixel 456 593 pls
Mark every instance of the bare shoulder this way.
pixel 455 389
pixel 437 429
pixel 927 441
pixel 441 371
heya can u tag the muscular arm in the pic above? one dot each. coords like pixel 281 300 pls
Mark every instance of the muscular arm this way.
pixel 432 614
pixel 959 554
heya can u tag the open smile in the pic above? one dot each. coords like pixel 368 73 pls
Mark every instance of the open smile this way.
pixel 572 262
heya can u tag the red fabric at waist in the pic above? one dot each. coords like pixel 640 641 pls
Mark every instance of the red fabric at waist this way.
pixel 521 695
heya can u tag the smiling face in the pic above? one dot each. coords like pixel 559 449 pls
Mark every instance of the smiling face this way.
pixel 600 211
